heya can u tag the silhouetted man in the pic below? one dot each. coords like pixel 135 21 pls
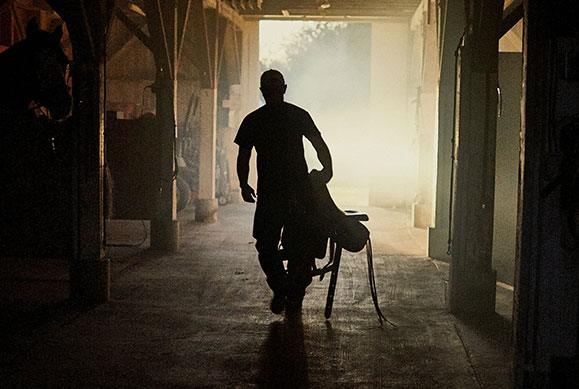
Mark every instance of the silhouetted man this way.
pixel 276 130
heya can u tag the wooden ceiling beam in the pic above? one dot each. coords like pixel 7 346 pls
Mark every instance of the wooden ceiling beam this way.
pixel 134 28
pixel 338 8
pixel 225 10
pixel 511 16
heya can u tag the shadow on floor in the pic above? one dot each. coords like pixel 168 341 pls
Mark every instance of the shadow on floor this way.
pixel 23 323
pixel 35 293
pixel 283 361
pixel 488 345
pixel 495 329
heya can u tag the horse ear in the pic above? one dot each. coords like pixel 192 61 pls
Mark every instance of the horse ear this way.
pixel 57 33
pixel 32 27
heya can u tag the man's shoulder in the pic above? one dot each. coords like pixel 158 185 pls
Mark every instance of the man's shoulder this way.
pixel 254 114
pixel 295 108
pixel 264 111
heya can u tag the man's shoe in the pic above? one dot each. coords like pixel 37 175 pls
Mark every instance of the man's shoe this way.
pixel 277 303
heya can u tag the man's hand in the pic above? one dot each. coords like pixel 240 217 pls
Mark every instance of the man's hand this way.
pixel 248 193
pixel 243 158
pixel 323 176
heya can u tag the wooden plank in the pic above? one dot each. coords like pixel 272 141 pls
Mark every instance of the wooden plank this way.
pixel 227 11
pixel 133 28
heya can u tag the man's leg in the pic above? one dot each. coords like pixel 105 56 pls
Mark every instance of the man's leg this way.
pixel 271 263
pixel 299 277
pixel 267 227
pixel 302 243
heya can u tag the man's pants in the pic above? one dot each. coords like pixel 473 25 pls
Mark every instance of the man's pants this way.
pixel 271 215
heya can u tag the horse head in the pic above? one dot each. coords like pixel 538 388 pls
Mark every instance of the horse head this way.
pixel 48 69
pixel 34 70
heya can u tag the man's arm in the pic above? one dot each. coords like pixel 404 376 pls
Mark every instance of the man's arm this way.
pixel 243 158
pixel 324 156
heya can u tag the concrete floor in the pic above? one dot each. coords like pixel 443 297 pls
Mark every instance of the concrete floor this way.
pixel 200 318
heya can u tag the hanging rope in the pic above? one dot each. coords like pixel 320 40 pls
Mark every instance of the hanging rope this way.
pixel 372 280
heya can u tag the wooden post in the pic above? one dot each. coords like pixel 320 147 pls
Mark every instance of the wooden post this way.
pixel 234 106
pixel 250 74
pixel 422 207
pixel 472 280
pixel 206 205
pixel 161 19
pixel 208 28
pixel 454 21
pixel 89 269
pixel 214 34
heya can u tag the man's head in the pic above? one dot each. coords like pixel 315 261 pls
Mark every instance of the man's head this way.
pixel 272 86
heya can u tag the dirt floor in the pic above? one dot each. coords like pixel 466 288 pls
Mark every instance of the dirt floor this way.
pixel 200 318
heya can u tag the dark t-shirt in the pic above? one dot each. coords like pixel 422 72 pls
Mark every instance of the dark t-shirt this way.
pixel 277 133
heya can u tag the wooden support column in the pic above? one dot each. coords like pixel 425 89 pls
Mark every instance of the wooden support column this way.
pixel 250 74
pixel 234 106
pixel 206 205
pixel 422 207
pixel 89 269
pixel 250 71
pixel 546 308
pixel 472 280
pixel 232 70
pixel 452 27
pixel 161 19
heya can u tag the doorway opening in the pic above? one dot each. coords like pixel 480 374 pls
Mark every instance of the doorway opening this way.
pixel 353 78
pixel 507 166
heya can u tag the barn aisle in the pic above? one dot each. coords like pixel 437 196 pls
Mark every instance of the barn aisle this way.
pixel 200 318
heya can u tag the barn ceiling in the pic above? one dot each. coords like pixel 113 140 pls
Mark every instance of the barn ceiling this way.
pixel 325 8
